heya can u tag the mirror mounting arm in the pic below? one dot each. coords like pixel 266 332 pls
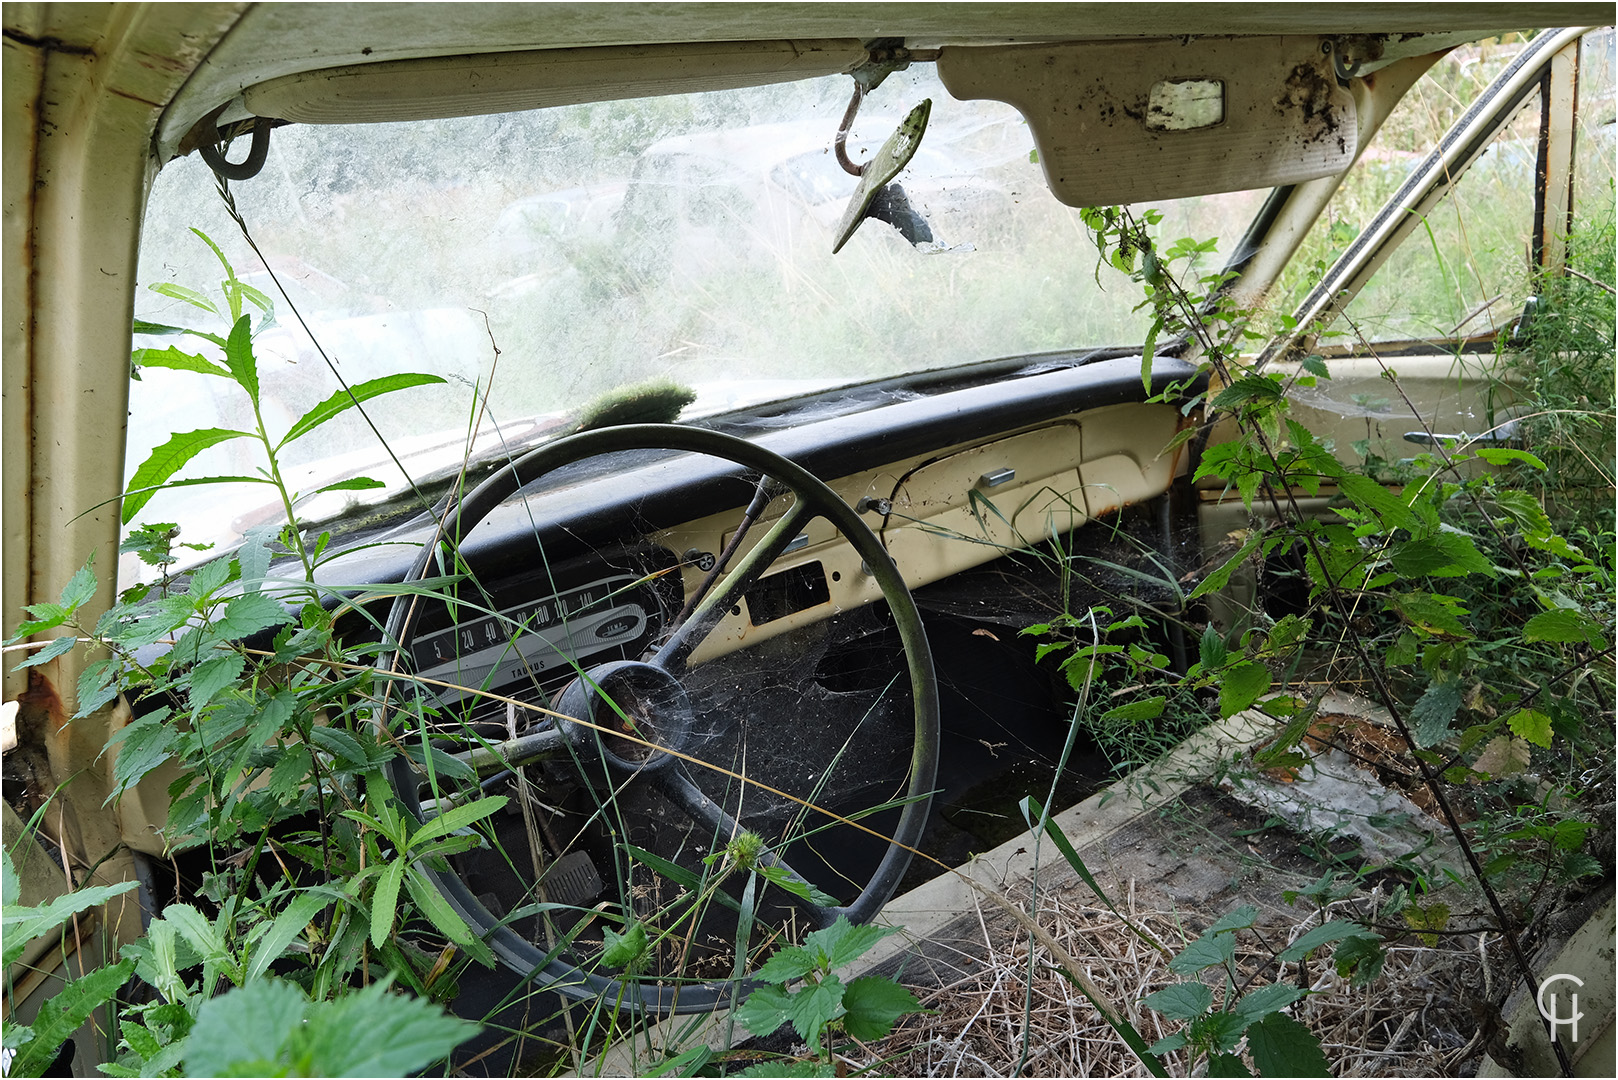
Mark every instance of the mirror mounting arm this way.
pixel 212 145
pixel 883 57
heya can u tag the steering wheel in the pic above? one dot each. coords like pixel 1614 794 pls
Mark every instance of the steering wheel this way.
pixel 648 697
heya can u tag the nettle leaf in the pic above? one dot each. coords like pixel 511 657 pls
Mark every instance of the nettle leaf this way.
pixel 80 588
pixel 1524 510
pixel 1444 554
pixel 63 1014
pixel 1336 930
pixel 1433 614
pixel 1182 1001
pixel 872 1005
pixel 1238 918
pixel 1260 1003
pixel 50 652
pixel 1226 1065
pixel 765 1009
pixel 45 617
pixel 378 1033
pixel 844 942
pixel 245 1027
pixel 247 614
pixel 1168 1043
pixel 1283 1047
pixel 1209 950
pixel 165 461
pixel 344 400
pixel 788 963
pixel 289 772
pixel 626 950
pixel 239 357
pixel 340 744
pixel 1502 455
pixel 815 1006
pixel 176 359
pixel 98 684
pixel 1211 649
pixel 1221 1030
pixel 1432 714
pixel 209 578
pixel 1252 388
pixel 1359 960
pixel 212 675
pixel 1532 725
pixel 1565 624
pixel 1371 496
pixel 142 747
pixel 1241 686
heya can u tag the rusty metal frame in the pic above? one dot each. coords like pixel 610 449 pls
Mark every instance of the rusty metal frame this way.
pixel 1558 126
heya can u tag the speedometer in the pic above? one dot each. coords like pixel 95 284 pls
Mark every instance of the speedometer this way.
pixel 536 629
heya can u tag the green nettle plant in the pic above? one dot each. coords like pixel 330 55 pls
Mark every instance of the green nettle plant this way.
pixel 823 1005
pixel 276 740
pixel 1278 1044
pixel 1481 627
pixel 299 971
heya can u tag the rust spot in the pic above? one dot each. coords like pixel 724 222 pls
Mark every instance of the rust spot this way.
pixel 134 97
pixel 159 62
pixel 28 776
pixel 48 44
pixel 42 695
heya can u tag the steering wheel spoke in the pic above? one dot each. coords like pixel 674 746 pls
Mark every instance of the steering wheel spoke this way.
pixel 728 592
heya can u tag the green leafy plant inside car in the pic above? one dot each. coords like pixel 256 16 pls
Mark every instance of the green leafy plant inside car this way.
pixel 296 971
pixel 1477 619
pixel 822 1006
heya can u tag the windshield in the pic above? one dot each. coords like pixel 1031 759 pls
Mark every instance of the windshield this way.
pixel 543 259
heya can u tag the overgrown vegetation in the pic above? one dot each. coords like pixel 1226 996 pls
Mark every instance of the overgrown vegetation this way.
pixel 1475 597
pixel 1481 625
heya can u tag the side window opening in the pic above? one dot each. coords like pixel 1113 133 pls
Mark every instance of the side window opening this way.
pixel 1464 271
pixel 1465 274
pixel 1416 125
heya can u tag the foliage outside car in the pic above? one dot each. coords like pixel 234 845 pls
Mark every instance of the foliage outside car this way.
pixel 1481 623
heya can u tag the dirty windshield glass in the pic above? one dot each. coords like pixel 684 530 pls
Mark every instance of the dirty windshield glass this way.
pixel 539 260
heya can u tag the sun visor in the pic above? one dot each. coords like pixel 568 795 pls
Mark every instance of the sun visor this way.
pixel 1123 122
pixel 443 86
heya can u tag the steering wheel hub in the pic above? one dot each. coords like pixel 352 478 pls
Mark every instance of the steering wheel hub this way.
pixel 634 713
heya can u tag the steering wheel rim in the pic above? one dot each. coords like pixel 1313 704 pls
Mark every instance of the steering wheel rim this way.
pixel 812 499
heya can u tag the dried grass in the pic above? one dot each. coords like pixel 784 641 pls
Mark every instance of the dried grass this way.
pixel 1411 1022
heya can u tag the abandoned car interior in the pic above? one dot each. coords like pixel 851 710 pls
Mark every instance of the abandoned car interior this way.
pixel 538 535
